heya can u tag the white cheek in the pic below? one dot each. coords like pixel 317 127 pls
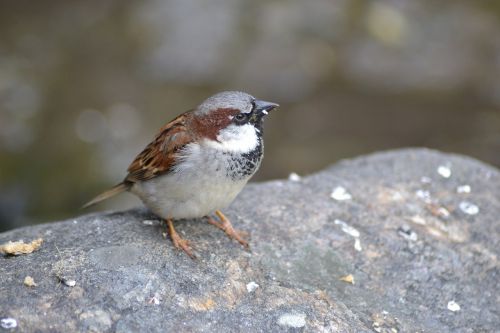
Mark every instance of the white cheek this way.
pixel 242 139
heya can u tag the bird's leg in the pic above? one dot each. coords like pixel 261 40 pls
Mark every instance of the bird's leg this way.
pixel 179 242
pixel 227 227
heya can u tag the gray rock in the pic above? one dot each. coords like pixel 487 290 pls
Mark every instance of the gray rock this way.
pixel 417 252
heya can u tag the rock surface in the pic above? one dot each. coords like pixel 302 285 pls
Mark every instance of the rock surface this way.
pixel 418 231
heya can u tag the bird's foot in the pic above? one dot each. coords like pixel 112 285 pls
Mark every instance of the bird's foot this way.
pixel 227 227
pixel 179 242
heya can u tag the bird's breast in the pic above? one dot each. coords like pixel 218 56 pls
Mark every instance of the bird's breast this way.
pixel 219 164
pixel 203 180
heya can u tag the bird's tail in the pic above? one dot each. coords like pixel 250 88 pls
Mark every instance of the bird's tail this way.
pixel 117 189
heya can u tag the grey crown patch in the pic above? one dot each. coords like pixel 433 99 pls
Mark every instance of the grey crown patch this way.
pixel 227 99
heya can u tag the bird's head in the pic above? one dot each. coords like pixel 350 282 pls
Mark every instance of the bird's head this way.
pixel 232 120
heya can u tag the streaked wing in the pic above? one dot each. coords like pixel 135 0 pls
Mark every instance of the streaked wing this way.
pixel 159 156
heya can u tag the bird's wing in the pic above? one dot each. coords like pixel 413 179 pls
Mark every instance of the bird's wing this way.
pixel 160 155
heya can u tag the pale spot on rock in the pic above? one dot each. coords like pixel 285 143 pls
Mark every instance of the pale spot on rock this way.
pixel 453 306
pixel 295 320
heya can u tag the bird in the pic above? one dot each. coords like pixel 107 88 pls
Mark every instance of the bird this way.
pixel 198 163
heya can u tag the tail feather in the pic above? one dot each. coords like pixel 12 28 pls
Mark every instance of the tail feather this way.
pixel 117 189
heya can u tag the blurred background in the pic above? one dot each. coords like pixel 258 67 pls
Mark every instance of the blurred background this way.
pixel 85 85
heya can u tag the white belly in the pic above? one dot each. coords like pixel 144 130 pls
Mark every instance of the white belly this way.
pixel 197 187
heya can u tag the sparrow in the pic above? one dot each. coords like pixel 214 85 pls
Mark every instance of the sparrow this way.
pixel 199 162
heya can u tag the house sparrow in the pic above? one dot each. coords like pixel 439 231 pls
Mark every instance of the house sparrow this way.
pixel 199 162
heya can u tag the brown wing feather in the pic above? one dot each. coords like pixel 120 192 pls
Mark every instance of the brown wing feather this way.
pixel 159 156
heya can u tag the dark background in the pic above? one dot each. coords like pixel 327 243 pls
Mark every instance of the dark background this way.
pixel 84 85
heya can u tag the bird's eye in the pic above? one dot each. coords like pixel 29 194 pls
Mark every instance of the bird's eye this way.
pixel 240 117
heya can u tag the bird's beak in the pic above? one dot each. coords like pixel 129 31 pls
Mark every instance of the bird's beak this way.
pixel 262 108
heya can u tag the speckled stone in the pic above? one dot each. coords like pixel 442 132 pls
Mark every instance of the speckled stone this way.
pixel 415 255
